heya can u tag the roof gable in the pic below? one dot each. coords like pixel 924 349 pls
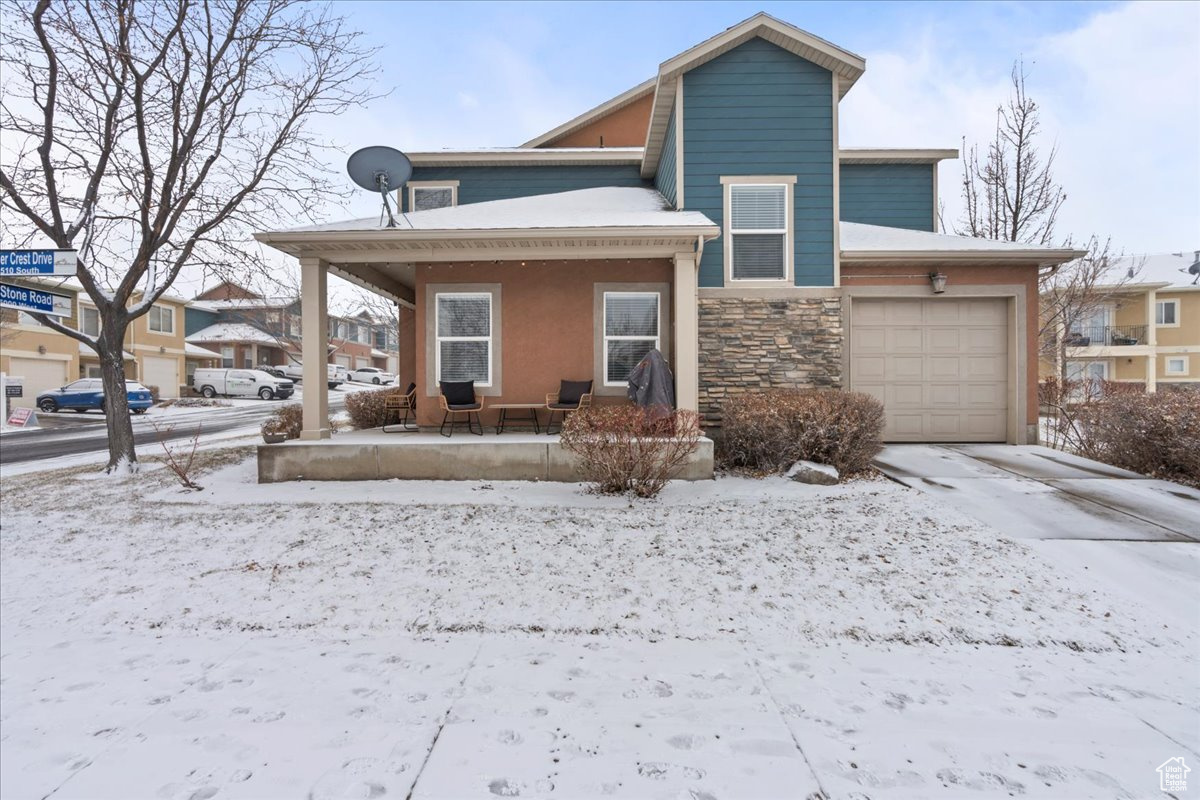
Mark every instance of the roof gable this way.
pixel 627 104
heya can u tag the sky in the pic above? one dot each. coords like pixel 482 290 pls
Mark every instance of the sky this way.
pixel 1118 83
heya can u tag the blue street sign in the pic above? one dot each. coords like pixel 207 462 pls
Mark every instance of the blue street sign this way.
pixel 37 262
pixel 34 300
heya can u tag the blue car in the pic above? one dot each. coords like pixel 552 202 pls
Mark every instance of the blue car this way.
pixel 88 393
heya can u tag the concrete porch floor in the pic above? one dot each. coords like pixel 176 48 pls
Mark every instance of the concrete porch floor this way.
pixel 375 455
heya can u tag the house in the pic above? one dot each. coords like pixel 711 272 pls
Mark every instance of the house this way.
pixel 1144 330
pixel 247 330
pixel 711 213
pixel 155 350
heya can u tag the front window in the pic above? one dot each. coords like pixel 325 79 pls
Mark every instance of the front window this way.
pixel 1088 379
pixel 1177 365
pixel 758 231
pixel 161 319
pixel 1166 312
pixel 464 337
pixel 89 321
pixel 427 198
pixel 227 357
pixel 631 330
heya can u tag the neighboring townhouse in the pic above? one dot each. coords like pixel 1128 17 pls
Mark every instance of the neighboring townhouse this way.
pixel 155 350
pixel 1146 330
pixel 249 330
pixel 710 213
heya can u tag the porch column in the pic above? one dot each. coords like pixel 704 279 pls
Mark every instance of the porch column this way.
pixel 687 333
pixel 314 332
pixel 1152 341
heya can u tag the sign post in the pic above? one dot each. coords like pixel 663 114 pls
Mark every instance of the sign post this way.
pixel 38 262
pixel 38 301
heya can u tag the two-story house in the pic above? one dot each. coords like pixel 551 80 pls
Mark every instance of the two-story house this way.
pixel 1145 330
pixel 710 213
pixel 250 330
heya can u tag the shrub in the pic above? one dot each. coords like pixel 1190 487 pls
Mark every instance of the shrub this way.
pixel 289 420
pixel 769 431
pixel 366 408
pixel 1154 434
pixel 630 448
pixel 153 393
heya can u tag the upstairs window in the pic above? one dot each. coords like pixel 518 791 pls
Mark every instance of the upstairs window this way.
pixel 631 330
pixel 89 321
pixel 758 231
pixel 429 196
pixel 161 319
pixel 1166 312
pixel 464 337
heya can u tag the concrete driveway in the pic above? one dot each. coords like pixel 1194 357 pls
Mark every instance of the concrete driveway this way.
pixel 1038 493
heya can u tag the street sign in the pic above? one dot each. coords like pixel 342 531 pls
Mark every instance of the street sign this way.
pixel 21 417
pixel 37 262
pixel 34 300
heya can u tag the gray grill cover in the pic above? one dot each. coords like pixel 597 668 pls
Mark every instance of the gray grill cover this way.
pixel 651 384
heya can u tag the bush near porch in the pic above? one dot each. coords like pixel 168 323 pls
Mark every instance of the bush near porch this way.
pixel 630 449
pixel 1155 434
pixel 769 431
pixel 289 420
pixel 366 408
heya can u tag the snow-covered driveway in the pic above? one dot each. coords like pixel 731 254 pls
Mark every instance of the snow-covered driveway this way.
pixel 733 639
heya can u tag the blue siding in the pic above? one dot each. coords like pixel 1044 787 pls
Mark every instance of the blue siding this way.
pixel 664 181
pixel 760 110
pixel 196 319
pixel 481 184
pixel 895 195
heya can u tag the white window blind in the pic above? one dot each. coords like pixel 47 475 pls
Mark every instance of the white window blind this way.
pixel 464 337
pixel 429 198
pixel 631 329
pixel 758 231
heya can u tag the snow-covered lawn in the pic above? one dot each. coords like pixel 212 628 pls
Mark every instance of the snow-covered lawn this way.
pixel 733 638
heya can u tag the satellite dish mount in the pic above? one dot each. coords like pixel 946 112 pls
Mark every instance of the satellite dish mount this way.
pixel 380 169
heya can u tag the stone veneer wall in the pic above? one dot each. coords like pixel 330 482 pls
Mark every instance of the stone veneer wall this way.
pixel 750 343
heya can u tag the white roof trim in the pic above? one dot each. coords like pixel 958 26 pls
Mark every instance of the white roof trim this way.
pixel 895 155
pixel 501 156
pixel 847 67
pixel 616 104
pixel 879 244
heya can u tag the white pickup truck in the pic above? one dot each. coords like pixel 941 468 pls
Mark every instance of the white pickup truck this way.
pixel 242 383
pixel 295 371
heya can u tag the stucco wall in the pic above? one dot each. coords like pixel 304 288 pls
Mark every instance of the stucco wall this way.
pixel 547 323
pixel 625 127
pixel 853 275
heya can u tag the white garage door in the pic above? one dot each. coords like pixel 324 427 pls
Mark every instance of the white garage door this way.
pixel 938 365
pixel 345 361
pixel 163 373
pixel 40 375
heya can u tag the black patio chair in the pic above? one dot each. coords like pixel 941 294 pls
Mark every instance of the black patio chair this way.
pixel 458 402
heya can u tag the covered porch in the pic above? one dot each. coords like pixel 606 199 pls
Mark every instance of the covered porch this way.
pixel 516 295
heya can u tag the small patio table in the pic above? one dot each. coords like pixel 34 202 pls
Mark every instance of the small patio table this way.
pixel 504 420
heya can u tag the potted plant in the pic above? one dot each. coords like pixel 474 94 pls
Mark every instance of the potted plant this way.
pixel 273 431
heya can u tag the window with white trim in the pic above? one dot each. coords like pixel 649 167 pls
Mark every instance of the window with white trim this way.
pixel 161 319
pixel 758 231
pixel 1176 365
pixel 89 321
pixel 1166 312
pixel 427 198
pixel 227 357
pixel 464 337
pixel 631 330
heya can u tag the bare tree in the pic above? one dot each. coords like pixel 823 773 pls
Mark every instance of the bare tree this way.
pixel 1011 195
pixel 154 135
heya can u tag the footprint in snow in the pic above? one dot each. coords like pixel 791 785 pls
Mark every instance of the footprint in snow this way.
pixel 503 787
pixel 508 737
pixel 685 741
pixel 562 697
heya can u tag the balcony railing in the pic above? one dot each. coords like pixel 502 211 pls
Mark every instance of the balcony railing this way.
pixel 1106 336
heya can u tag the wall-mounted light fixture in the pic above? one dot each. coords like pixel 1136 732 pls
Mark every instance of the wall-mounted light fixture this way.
pixel 938 281
pixel 162 348
pixel 41 349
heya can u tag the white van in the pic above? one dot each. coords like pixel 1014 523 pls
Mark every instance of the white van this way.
pixel 242 383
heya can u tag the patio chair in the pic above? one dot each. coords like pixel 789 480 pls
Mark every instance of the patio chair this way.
pixel 459 403
pixel 404 406
pixel 571 396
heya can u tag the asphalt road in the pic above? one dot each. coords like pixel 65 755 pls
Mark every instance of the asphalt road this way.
pixel 86 433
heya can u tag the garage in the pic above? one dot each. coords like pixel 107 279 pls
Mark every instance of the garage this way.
pixel 163 373
pixel 39 374
pixel 938 365
pixel 345 361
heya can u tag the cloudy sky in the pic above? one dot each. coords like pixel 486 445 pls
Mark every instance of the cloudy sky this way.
pixel 1119 85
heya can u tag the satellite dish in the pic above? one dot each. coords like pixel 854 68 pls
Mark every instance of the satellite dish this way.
pixel 380 169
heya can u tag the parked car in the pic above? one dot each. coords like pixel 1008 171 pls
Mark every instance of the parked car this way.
pixel 242 383
pixel 276 371
pixel 341 373
pixel 295 371
pixel 372 375
pixel 87 394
